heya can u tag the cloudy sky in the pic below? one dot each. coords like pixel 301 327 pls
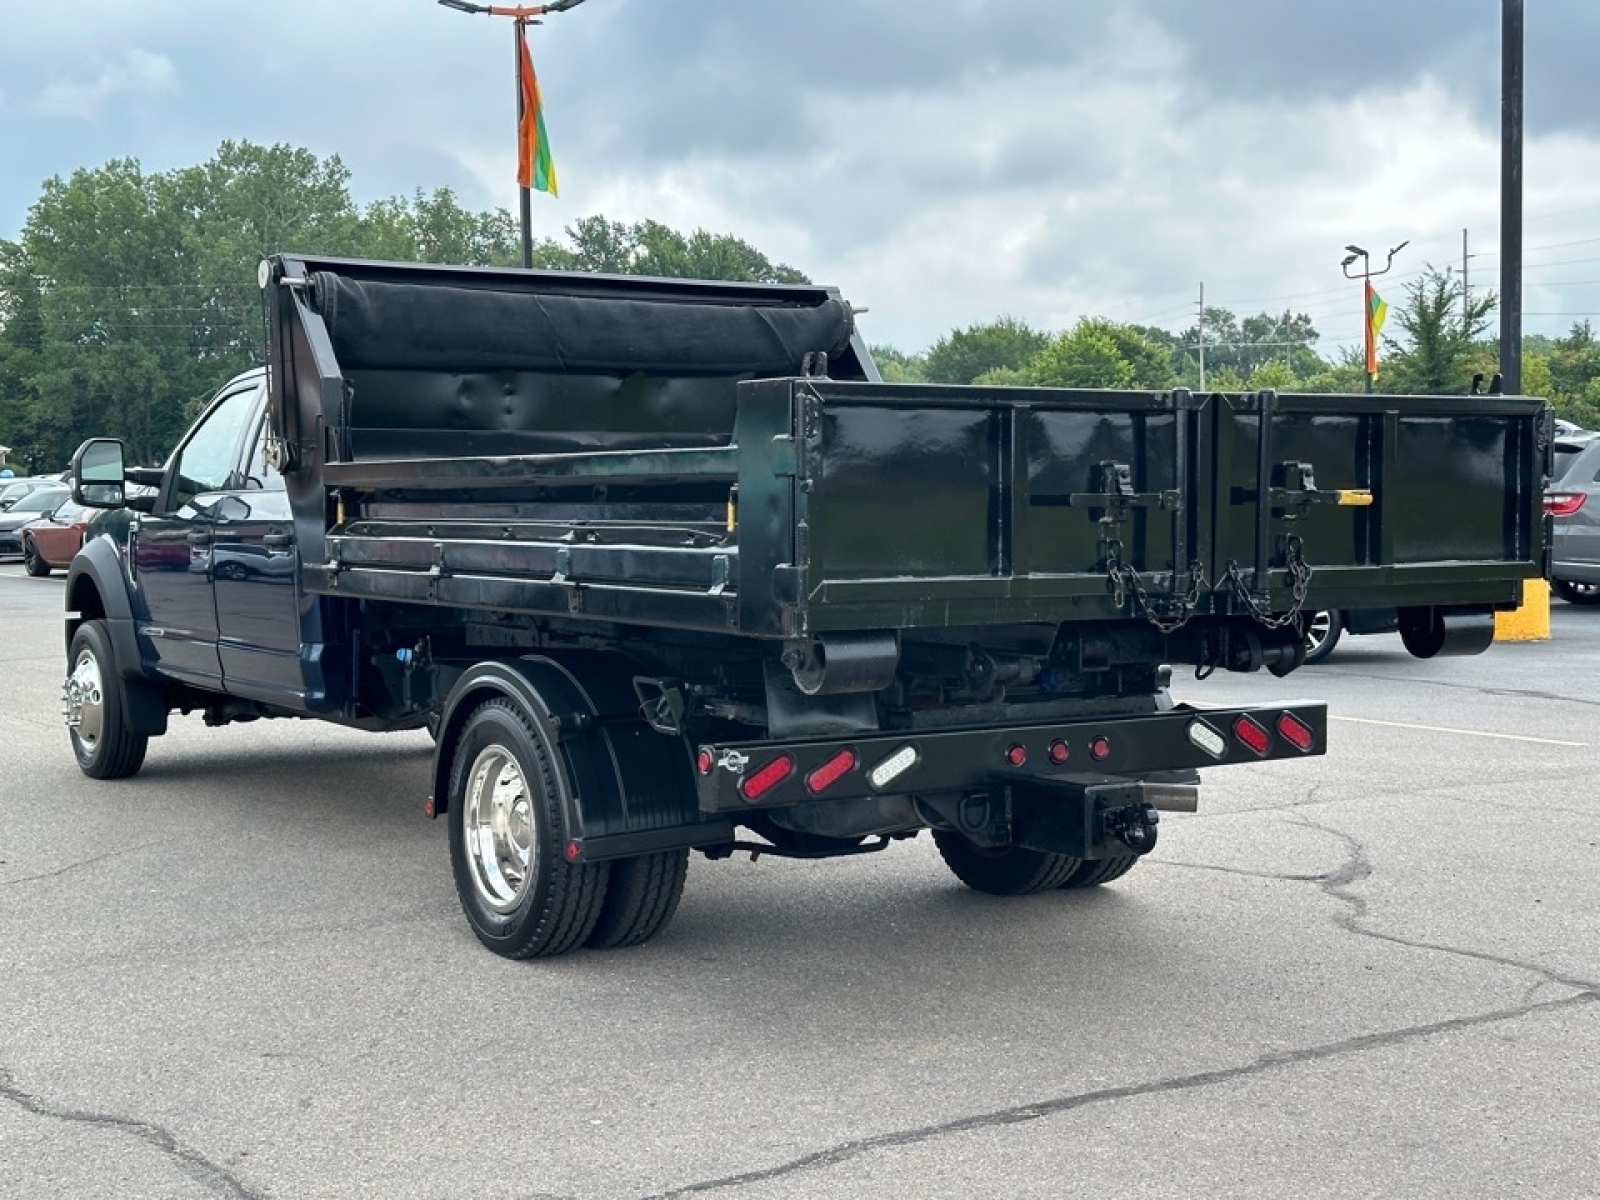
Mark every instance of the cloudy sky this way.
pixel 942 161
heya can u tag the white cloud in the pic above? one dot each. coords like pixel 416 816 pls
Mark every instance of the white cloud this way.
pixel 138 73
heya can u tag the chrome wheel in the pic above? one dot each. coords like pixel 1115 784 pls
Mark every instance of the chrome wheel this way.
pixel 83 700
pixel 500 829
pixel 1317 630
pixel 1322 629
pixel 1574 592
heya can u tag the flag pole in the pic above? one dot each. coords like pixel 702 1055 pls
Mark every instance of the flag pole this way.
pixel 522 16
pixel 519 29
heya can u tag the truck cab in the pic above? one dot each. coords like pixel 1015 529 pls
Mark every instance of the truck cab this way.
pixel 211 588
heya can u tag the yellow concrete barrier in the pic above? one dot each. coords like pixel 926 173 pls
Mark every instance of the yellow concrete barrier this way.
pixel 1530 622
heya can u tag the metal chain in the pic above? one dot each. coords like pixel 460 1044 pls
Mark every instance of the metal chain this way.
pixel 1299 579
pixel 1167 614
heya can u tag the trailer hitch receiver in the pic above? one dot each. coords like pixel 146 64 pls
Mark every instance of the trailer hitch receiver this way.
pixel 1134 826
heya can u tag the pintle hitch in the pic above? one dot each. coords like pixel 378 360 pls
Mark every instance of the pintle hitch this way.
pixel 1134 826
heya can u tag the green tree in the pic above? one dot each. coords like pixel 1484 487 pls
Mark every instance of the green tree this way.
pixel 898 367
pixel 1346 375
pixel 1236 349
pixel 21 339
pixel 435 228
pixel 1276 376
pixel 1097 353
pixel 651 248
pixel 1573 363
pixel 1441 350
pixel 964 354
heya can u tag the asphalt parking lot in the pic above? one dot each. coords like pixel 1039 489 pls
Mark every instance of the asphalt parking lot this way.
pixel 244 973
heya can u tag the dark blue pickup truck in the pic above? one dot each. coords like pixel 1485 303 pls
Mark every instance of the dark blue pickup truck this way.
pixel 665 568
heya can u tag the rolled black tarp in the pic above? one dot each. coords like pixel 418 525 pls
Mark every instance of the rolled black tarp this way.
pixel 434 327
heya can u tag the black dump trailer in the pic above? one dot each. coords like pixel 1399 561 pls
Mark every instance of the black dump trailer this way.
pixel 666 567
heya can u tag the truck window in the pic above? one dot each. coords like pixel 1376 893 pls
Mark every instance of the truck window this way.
pixel 208 460
pixel 260 474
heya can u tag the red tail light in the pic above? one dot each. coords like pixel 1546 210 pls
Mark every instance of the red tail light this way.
pixel 758 783
pixel 830 772
pixel 1296 732
pixel 1016 754
pixel 1564 504
pixel 1248 731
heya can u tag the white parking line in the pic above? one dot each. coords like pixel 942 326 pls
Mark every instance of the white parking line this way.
pixel 1479 733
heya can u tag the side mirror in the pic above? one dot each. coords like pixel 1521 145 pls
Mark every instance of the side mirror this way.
pixel 98 478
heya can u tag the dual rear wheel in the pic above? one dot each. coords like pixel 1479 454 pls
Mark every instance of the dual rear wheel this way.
pixel 1018 871
pixel 522 895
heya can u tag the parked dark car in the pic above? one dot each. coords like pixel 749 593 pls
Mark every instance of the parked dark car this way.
pixel 29 507
pixel 1575 511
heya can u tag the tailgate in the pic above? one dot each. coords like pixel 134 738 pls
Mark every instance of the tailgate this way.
pixel 1388 500
pixel 876 506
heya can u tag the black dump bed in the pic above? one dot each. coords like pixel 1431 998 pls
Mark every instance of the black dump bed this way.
pixel 721 457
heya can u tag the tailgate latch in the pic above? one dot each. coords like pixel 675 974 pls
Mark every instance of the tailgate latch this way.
pixel 1296 491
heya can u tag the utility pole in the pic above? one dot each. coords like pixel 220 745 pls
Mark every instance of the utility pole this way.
pixel 522 17
pixel 1367 275
pixel 1202 336
pixel 1511 196
pixel 1466 288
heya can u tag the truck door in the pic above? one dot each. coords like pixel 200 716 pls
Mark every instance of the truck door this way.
pixel 258 597
pixel 171 546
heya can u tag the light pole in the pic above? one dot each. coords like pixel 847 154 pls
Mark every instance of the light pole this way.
pixel 1511 76
pixel 527 99
pixel 1366 275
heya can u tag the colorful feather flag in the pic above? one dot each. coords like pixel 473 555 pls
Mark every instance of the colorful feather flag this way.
pixel 1377 313
pixel 535 168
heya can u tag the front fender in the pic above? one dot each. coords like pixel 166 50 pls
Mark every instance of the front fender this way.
pixel 97 590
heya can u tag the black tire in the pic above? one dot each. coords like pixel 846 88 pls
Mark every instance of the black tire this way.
pixel 640 899
pixel 1095 871
pixel 1008 871
pixel 31 562
pixel 1576 593
pixel 96 706
pixel 519 907
pixel 1322 631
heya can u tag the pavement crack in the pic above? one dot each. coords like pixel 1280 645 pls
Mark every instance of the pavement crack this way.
pixel 1357 867
pixel 845 1151
pixel 75 866
pixel 194 1164
pixel 1244 871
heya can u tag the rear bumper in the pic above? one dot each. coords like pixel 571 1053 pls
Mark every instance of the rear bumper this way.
pixel 743 776
pixel 1571 572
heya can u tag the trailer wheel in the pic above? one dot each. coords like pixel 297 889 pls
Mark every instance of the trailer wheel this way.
pixel 640 899
pixel 95 705
pixel 521 896
pixel 1322 629
pixel 1095 871
pixel 1006 871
